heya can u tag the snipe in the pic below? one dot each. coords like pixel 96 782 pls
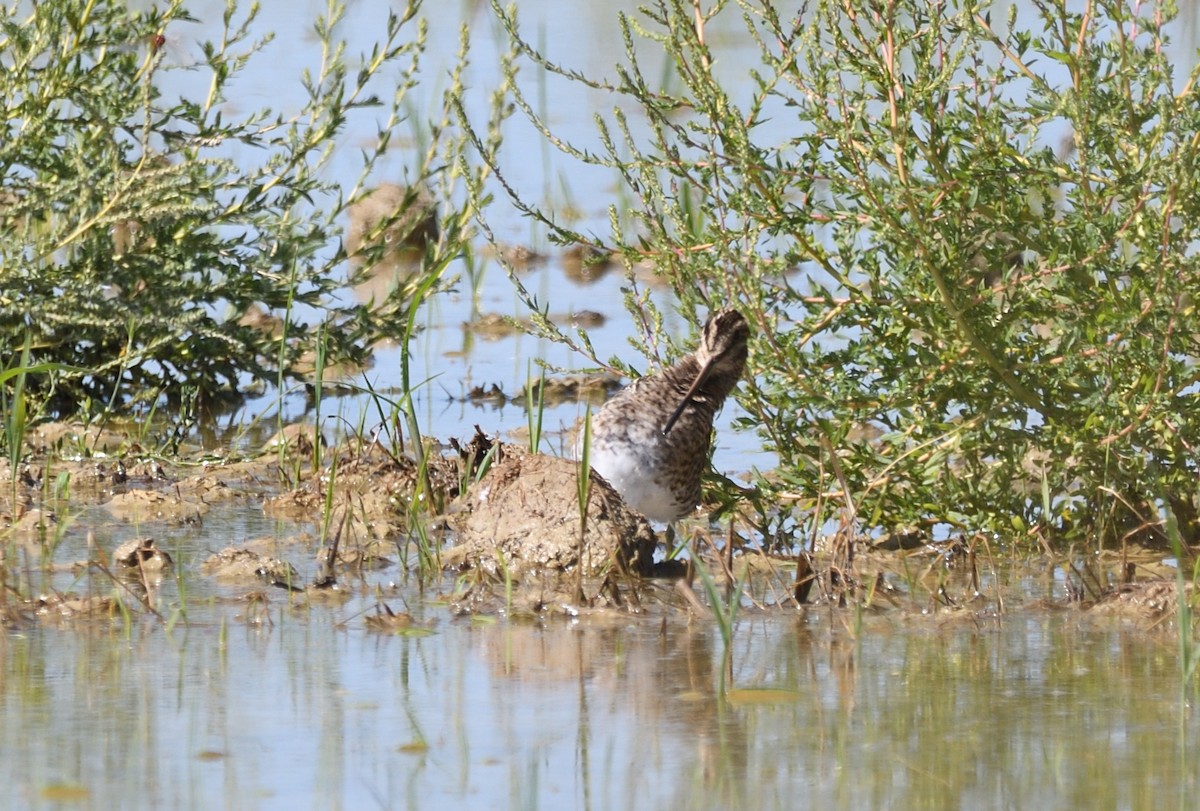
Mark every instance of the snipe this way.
pixel 651 440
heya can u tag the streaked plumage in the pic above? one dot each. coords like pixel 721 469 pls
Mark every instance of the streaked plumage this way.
pixel 651 440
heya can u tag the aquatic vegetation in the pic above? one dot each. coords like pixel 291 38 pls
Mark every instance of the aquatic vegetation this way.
pixel 166 244
pixel 963 241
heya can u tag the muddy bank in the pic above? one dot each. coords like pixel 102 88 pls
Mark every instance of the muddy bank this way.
pixel 489 529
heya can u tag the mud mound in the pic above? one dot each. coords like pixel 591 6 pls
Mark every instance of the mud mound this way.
pixel 239 564
pixel 1150 601
pixel 140 506
pixel 523 516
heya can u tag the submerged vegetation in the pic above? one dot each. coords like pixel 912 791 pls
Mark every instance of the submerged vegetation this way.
pixel 970 256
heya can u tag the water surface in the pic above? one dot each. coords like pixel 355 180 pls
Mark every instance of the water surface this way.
pixel 1032 711
pixel 278 703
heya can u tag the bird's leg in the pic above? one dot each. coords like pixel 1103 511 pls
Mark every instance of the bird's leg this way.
pixel 684 587
pixel 672 550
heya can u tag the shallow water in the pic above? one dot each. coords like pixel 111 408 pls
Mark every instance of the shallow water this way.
pixel 1031 711
pixel 246 696
pixel 279 701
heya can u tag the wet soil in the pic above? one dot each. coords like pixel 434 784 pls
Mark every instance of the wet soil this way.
pixel 508 524
pixel 527 514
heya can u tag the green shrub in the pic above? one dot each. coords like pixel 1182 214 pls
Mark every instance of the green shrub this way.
pixel 972 260
pixel 145 228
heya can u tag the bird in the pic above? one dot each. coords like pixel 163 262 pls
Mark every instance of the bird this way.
pixel 651 440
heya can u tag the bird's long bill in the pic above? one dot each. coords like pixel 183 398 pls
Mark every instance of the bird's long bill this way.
pixel 696 384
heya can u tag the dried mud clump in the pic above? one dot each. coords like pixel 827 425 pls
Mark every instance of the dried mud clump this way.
pixel 373 497
pixel 523 516
pixel 144 556
pixel 238 564
pixel 54 437
pixel 1151 601
pixel 376 486
pixel 140 506
pixel 390 219
pixel 66 607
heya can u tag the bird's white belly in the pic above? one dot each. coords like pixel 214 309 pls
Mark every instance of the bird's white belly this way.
pixel 636 476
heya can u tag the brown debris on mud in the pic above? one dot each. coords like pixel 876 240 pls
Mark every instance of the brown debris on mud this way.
pixel 509 539
pixel 375 493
